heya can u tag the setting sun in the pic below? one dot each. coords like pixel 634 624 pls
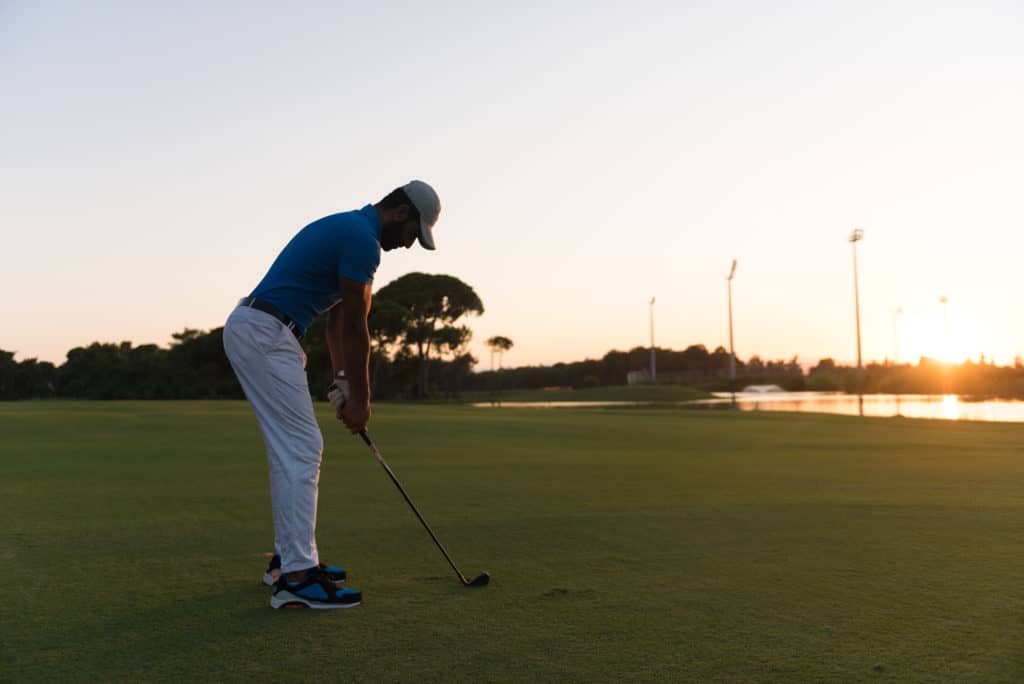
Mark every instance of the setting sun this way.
pixel 925 333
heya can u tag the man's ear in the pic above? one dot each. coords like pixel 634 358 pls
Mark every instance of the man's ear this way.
pixel 401 213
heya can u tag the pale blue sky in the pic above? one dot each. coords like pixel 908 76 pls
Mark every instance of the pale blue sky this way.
pixel 155 160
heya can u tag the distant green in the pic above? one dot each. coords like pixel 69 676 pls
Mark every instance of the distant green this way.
pixel 624 545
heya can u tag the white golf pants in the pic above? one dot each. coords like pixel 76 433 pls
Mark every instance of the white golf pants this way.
pixel 271 368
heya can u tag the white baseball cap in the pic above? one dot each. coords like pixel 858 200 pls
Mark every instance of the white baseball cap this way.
pixel 428 204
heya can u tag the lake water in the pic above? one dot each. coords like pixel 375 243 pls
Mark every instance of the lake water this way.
pixel 948 407
pixel 944 407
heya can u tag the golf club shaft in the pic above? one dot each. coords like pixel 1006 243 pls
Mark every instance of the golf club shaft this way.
pixel 391 474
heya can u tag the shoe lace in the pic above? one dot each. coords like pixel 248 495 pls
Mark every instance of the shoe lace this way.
pixel 317 574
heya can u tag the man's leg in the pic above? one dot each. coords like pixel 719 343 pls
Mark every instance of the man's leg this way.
pixel 270 366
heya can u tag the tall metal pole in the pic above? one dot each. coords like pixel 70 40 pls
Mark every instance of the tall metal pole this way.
pixel 654 373
pixel 948 352
pixel 896 349
pixel 944 300
pixel 896 335
pixel 856 236
pixel 732 350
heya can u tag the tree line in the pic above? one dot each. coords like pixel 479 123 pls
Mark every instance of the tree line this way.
pixel 696 366
pixel 979 378
pixel 419 349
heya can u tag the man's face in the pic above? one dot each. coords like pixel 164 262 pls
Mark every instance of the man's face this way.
pixel 397 235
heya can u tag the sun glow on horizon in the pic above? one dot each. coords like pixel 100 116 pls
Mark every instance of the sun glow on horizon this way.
pixel 947 339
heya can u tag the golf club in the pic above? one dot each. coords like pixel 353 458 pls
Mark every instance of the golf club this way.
pixel 480 580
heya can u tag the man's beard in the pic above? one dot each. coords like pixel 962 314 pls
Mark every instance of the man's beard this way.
pixel 390 238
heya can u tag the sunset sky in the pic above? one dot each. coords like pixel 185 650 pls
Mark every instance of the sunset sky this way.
pixel 154 160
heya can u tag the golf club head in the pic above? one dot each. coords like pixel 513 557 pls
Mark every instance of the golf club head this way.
pixel 481 580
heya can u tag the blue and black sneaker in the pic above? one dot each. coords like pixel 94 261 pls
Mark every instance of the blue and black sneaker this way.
pixel 317 590
pixel 274 572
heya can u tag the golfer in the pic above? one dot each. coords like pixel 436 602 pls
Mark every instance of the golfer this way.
pixel 328 266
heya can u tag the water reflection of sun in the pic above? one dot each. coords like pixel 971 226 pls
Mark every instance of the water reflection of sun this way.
pixel 951 407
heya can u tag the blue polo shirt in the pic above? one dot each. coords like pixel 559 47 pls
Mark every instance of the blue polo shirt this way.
pixel 303 280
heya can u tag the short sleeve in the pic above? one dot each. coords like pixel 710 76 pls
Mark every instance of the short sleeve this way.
pixel 359 256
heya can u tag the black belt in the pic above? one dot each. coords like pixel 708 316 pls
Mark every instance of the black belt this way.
pixel 259 305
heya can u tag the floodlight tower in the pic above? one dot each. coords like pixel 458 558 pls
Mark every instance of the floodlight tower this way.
pixel 944 301
pixel 946 382
pixel 896 347
pixel 654 374
pixel 896 335
pixel 856 236
pixel 732 350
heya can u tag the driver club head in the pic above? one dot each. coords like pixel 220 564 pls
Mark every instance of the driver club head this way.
pixel 481 580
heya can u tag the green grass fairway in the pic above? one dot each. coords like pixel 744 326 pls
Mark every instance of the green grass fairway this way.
pixel 624 545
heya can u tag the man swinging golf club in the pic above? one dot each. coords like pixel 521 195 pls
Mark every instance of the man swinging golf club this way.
pixel 328 266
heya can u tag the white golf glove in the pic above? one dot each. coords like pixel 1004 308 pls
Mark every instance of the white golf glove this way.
pixel 338 392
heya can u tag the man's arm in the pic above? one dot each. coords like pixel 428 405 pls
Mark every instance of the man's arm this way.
pixel 348 339
pixel 334 341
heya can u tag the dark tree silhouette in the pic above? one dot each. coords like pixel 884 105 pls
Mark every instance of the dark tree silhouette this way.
pixel 434 304
pixel 501 345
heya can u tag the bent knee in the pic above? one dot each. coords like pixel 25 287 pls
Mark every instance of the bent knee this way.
pixel 310 447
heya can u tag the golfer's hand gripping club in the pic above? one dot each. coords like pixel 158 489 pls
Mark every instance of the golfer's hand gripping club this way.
pixel 338 393
pixel 353 412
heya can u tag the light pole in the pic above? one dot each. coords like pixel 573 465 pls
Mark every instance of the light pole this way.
pixel 944 301
pixel 947 352
pixel 856 236
pixel 654 373
pixel 732 350
pixel 896 335
pixel 896 349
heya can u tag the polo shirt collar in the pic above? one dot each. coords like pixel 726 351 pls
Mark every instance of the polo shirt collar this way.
pixel 370 212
